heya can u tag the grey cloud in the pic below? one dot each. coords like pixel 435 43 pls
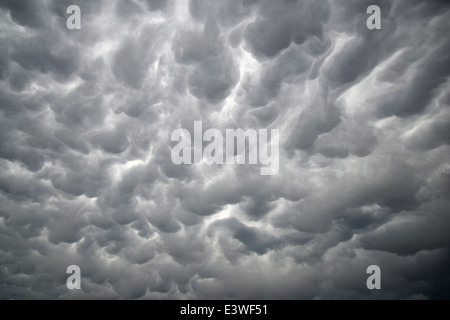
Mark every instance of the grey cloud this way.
pixel 256 207
pixel 34 55
pixel 128 68
pixel 429 230
pixel 320 117
pixel 263 88
pixel 417 94
pixel 253 239
pixel 279 25
pixel 24 13
pixel 111 141
pixel 213 79
pixel 135 57
pixel 432 135
pixel 86 175
pixel 215 73
pixel 157 4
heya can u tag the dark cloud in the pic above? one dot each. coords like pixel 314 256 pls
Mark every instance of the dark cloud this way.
pixel 86 175
pixel 25 13
pixel 155 5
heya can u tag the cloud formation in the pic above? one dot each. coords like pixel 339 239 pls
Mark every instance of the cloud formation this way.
pixel 86 176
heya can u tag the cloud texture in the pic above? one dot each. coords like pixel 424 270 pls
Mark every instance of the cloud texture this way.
pixel 86 176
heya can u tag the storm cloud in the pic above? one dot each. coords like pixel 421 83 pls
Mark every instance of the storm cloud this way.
pixel 86 176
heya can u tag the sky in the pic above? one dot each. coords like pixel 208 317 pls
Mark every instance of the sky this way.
pixel 86 176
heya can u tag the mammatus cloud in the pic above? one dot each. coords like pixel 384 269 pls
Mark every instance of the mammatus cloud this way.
pixel 86 173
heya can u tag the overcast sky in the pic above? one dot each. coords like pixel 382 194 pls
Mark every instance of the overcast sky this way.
pixel 86 176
